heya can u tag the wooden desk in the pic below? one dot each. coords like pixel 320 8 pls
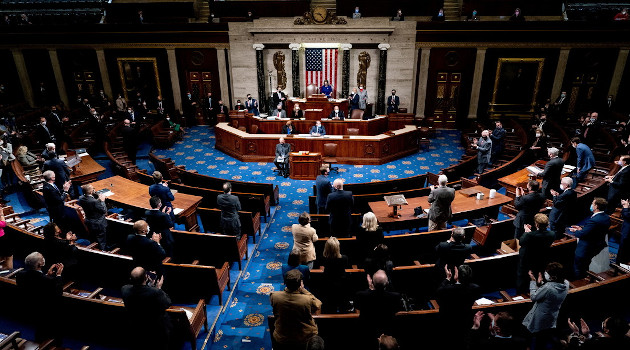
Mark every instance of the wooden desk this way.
pixel 520 179
pixel 304 166
pixel 87 171
pixel 369 127
pixel 133 194
pixel 462 207
pixel 374 150
pixel 326 107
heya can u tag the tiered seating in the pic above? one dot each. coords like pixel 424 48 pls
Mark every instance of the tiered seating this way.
pixel 166 166
pixel 120 161
pixel 164 137
pixel 56 12
pixel 211 220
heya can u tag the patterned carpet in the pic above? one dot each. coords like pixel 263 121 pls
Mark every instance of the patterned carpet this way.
pixel 243 325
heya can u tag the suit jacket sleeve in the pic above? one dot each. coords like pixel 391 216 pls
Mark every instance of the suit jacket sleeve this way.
pixel 100 207
pixel 169 194
pixel 431 198
pixel 485 147
pixel 519 202
pixel 589 226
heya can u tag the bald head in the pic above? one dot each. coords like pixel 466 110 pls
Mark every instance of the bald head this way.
pixel 141 227
pixel 127 122
pixel 138 276
pixel 379 280
pixel 338 184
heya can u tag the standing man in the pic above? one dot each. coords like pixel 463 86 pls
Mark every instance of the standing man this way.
pixel 563 202
pixel 146 307
pixel 534 251
pixel 282 157
pixel 618 185
pixel 61 170
pixel 393 102
pixel 229 205
pixel 43 133
pixel 561 105
pixel 552 173
pixel 484 151
pixel 145 248
pixel 210 104
pixel 293 309
pixel 336 114
pixel 189 106
pixel 440 198
pixel 326 89
pixel 623 255
pixel 527 205
pixel 130 140
pixel 354 100
pixel 251 105
pixel 279 98
pixel 324 188
pixel 585 159
pixel 453 252
pixel 498 142
pixel 592 237
pixel 222 109
pixel 160 222
pixel 54 197
pixel 363 97
pixel 94 207
pixel 161 190
pixel 339 205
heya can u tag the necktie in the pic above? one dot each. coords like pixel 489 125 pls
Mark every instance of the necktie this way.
pixel 55 186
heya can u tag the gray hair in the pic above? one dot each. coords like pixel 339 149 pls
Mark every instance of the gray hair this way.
pixel 48 174
pixel 458 234
pixel 553 151
pixel 50 146
pixel 34 261
pixel 370 223
pixel 567 181
pixel 338 184
pixel 442 180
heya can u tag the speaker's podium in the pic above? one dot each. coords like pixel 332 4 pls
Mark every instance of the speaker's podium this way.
pixel 304 165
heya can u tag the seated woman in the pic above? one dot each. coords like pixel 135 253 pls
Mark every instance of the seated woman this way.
pixel 27 158
pixel 293 263
pixel 297 113
pixel 169 123
pixel 288 128
pixel 59 248
pixel 334 294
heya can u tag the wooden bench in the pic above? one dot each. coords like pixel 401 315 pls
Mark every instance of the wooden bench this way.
pixel 209 248
pixel 164 137
pixel 211 220
pixel 166 166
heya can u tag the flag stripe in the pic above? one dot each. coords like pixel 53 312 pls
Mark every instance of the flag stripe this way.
pixel 321 64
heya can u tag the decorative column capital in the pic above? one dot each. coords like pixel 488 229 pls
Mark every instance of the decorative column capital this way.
pixel 346 46
pixel 383 46
pixel 258 47
pixel 294 46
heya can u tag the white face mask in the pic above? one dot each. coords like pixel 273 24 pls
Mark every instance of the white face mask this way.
pixel 547 277
pixel 538 135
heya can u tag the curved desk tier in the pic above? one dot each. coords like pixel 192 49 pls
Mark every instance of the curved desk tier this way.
pixel 372 150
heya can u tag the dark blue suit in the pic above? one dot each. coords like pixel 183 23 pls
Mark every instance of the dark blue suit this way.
pixel 497 136
pixel 54 199
pixel 339 205
pixel 354 102
pixel 561 211
pixel 527 206
pixel 592 241
pixel 58 166
pixel 321 130
pixel 160 222
pixel 323 190
pixel 252 106
pixel 392 104
pixel 585 160
pixel 618 189
pixel 164 193
pixel 623 256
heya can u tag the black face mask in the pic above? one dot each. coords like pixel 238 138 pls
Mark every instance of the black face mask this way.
pixel 249 98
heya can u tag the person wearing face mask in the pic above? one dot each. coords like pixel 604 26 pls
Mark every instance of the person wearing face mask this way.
pixel 326 89
pixel 585 159
pixel 592 131
pixel 393 102
pixel 279 112
pixel 43 133
pixel 170 123
pixel 439 17
pixel 145 248
pixel 563 202
pixel 528 205
pixel 552 173
pixel 473 16
pixel 534 250
pixel 484 151
pixel 356 14
pixel 354 100
pixel 363 97
pixel 500 335
pixel 618 184
pixel 561 104
pixel 538 147
pixel 297 113
pixel 189 106
pixel 622 16
pixel 94 207
pixel 547 295
pixel 251 105
pixel 279 98
pixel 592 237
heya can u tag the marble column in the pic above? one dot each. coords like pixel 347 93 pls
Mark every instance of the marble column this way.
pixel 102 67
pixel 295 68
pixel 423 79
pixel 345 70
pixel 20 66
pixel 476 84
pixel 172 68
pixel 260 67
pixel 558 80
pixel 223 76
pixel 61 86
pixel 622 58
pixel 382 77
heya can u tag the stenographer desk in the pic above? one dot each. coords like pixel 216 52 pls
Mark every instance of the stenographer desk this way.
pixel 372 150
pixel 370 127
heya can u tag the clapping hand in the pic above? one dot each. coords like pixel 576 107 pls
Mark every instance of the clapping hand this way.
pixel 66 185
pixel 477 319
pixel 554 192
pixel 527 227
pixel 156 237
pixel 167 210
pixel 625 203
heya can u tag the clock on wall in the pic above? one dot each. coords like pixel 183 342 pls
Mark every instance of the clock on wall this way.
pixel 319 14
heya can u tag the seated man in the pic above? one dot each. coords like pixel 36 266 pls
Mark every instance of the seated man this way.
pixel 282 158
pixel 318 129
pixel 279 113
pixel 288 128
pixel 336 114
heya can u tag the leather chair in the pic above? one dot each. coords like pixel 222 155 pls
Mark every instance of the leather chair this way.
pixel 353 131
pixel 254 129
pixel 330 156
pixel 311 89
pixel 242 128
pixel 357 114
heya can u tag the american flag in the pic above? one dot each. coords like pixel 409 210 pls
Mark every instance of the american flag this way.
pixel 321 64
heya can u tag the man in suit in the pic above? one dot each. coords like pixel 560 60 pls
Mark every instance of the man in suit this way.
pixel 95 210
pixel 279 98
pixel 618 185
pixel 59 167
pixel 189 107
pixel 592 131
pixel 354 100
pixel 585 159
pixel 160 222
pixel 561 104
pixel 393 102
pixel 44 291
pixel 563 203
pixel 440 199
pixel 251 105
pixel 54 122
pixel 44 133
pixel 339 205
pixel 130 140
pixel 453 252
pixel 146 304
pixel 497 136
pixel 230 206
pixel 324 188
pixel 502 328
pixel 336 114
pixel 279 112
pixel 49 150
pixel 282 157
pixel 592 237
pixel 534 252
pixel 623 255
pixel 146 251
pixel 484 151
pixel 552 173
pixel 210 105
pixel 527 205
pixel 161 190
pixel 318 129
pixel 377 306
pixel 222 109
pixel 160 107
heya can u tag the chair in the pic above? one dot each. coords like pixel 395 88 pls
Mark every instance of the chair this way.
pixel 311 90
pixel 254 129
pixel 353 131
pixel 357 114
pixel 330 156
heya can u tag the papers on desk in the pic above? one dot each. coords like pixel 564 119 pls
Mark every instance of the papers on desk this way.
pixel 484 301
pixel 518 297
pixel 105 192
pixel 189 314
pixel 82 154
pixel 176 211
pixel 567 169
pixel 534 169
pixel 625 266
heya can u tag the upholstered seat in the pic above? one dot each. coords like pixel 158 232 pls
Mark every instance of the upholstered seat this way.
pixel 330 156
